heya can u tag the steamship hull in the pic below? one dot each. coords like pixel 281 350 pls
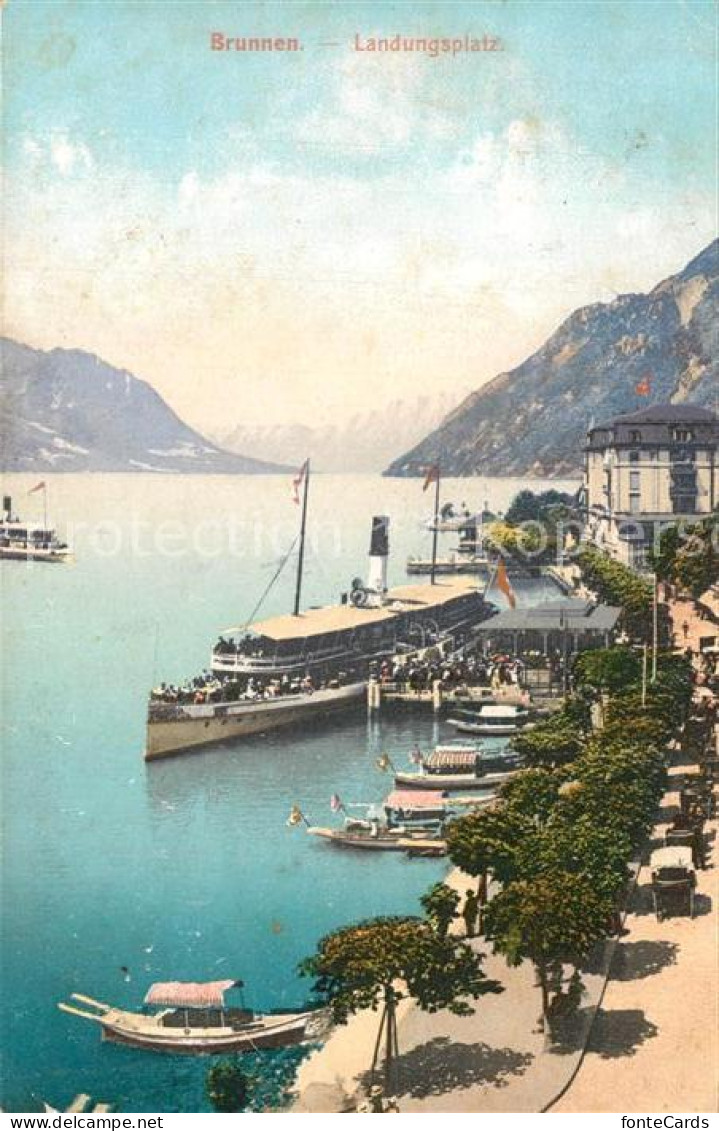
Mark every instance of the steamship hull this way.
pixel 263 674
pixel 190 727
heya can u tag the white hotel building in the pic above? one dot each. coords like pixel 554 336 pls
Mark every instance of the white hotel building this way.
pixel 648 469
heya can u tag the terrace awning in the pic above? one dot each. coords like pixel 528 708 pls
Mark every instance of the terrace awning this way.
pixel 189 995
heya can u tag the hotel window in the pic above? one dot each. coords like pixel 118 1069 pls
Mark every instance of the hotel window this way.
pixel 635 498
pixel 683 435
pixel 635 437
pixel 634 457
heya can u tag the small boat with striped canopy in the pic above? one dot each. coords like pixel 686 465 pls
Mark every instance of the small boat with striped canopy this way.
pixel 192 1018
pixel 450 768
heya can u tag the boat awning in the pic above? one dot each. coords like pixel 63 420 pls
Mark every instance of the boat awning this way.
pixel 415 799
pixel 446 757
pixel 189 995
pixel 509 712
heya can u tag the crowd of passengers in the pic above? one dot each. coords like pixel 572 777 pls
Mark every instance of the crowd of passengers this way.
pixel 244 646
pixel 474 671
pixel 207 688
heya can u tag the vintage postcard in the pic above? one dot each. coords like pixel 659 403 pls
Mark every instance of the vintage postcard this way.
pixel 359 560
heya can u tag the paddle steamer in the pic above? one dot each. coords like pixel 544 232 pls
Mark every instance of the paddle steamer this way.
pixel 29 541
pixel 307 664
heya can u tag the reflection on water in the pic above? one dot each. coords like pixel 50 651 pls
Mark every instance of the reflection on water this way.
pixel 117 873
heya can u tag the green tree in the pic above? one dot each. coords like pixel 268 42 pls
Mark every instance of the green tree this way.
pixel 688 557
pixel 487 840
pixel 377 963
pixel 580 846
pixel 551 919
pixel 440 903
pixel 227 1086
pixel 534 792
pixel 550 743
pixel 607 670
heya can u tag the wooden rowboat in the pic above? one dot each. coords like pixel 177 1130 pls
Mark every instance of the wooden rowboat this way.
pixel 382 840
pixel 196 1021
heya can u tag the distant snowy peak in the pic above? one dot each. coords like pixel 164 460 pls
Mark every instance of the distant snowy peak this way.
pixel 363 442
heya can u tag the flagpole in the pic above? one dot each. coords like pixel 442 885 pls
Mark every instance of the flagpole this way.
pixel 655 627
pixel 301 557
pixel 436 522
pixel 44 505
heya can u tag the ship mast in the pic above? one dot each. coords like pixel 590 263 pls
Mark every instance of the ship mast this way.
pixel 303 525
pixel 436 524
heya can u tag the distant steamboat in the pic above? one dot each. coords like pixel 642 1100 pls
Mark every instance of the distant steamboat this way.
pixel 305 665
pixel 29 541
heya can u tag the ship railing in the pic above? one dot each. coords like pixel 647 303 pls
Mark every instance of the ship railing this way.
pixel 227 662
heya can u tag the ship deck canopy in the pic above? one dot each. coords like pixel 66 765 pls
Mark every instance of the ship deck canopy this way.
pixel 190 995
pixel 342 618
pixel 415 799
pixel 448 757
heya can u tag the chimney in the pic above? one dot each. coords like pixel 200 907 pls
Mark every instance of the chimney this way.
pixel 7 506
pixel 378 554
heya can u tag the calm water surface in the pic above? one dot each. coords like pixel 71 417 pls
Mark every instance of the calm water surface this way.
pixel 183 869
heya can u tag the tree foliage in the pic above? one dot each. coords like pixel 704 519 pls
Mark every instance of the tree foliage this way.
pixel 527 506
pixel 607 670
pixel 616 584
pixel 228 1087
pixel 553 918
pixel 360 966
pixel 440 904
pixel 689 557
pixel 488 840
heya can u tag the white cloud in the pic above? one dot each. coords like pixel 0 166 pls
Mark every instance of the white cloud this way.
pixel 59 153
pixel 376 104
pixel 295 290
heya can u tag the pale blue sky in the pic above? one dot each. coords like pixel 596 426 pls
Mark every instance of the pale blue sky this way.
pixel 273 224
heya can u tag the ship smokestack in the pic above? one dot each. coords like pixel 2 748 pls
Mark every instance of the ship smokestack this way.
pixel 378 554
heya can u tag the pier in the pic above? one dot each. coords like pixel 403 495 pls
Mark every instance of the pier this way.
pixel 438 696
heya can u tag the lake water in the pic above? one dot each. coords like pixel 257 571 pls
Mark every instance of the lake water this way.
pixel 183 869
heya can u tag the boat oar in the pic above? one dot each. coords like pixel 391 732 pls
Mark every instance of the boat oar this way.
pixel 78 1012
pixel 90 1001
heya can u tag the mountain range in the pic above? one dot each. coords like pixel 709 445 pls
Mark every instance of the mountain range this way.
pixel 66 410
pixel 367 441
pixel 533 420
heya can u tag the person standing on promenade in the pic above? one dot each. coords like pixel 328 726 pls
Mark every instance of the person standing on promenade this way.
pixel 469 913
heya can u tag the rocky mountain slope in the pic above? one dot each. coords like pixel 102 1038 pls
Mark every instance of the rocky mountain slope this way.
pixel 533 420
pixel 66 410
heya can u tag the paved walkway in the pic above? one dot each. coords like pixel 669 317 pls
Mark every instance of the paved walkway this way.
pixel 655 1043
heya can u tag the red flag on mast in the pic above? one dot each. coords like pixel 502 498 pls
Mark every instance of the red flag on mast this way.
pixel 38 487
pixel 432 476
pixel 298 481
pixel 504 585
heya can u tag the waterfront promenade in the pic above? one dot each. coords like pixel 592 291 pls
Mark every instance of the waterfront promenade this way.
pixel 650 1028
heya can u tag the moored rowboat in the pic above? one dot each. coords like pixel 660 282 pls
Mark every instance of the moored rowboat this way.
pixel 196 1022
